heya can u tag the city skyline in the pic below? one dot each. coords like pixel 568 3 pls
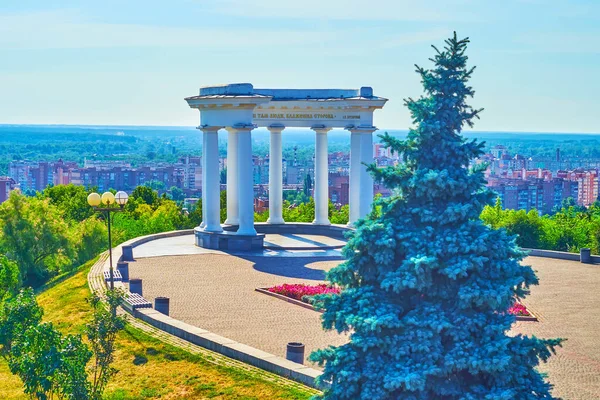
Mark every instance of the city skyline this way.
pixel 134 66
pixel 522 183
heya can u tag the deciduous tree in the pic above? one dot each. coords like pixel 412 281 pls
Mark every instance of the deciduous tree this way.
pixel 35 236
pixel 9 277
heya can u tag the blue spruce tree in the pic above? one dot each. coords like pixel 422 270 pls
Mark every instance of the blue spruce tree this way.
pixel 426 285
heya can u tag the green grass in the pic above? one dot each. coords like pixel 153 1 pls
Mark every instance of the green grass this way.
pixel 148 368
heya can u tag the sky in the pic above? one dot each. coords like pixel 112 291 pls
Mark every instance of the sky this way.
pixel 132 62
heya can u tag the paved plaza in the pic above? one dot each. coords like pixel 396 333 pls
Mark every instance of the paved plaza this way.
pixel 215 291
pixel 567 303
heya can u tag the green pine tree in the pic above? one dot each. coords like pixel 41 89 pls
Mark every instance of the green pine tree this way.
pixel 307 185
pixel 426 285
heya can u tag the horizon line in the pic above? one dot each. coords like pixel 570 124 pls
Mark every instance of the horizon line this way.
pixel 379 129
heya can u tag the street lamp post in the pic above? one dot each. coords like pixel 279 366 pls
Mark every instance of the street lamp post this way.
pixel 108 199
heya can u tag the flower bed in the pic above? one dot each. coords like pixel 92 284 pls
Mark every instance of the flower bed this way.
pixel 303 292
pixel 519 310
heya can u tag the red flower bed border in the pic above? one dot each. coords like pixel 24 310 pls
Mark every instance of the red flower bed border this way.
pixel 285 298
pixel 522 313
pixel 291 293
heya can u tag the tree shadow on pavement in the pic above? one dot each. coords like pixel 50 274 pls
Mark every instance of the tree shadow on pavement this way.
pixel 292 267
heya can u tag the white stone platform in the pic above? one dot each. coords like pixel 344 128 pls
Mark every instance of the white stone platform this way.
pixel 279 245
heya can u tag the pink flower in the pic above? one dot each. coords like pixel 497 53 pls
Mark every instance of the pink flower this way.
pixel 519 309
pixel 299 290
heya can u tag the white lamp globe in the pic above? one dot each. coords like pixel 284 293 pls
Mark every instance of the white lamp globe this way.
pixel 93 199
pixel 108 198
pixel 121 198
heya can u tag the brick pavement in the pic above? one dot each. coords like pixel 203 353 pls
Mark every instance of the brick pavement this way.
pixel 216 292
pixel 567 303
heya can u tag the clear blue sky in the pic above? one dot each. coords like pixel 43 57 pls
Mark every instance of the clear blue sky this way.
pixel 132 62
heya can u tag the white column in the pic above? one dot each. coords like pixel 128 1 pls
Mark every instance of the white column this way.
pixel 203 166
pixel 366 180
pixel 245 182
pixel 211 176
pixel 275 176
pixel 354 178
pixel 321 177
pixel 232 181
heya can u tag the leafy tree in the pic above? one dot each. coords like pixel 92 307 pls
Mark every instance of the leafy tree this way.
pixel 176 193
pixel 571 202
pixel 568 229
pixel 340 216
pixel 426 284
pixel 528 226
pixel 52 364
pixel 71 200
pixel 9 277
pixel 145 220
pixel 16 315
pixel 296 196
pixel 90 238
pixel 167 217
pixel 38 353
pixel 195 215
pixel 155 184
pixel 34 234
pixel 493 216
pixel 144 194
pixel 299 213
pixel 223 205
pixel 102 333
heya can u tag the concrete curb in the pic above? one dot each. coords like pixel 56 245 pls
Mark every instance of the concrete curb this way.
pixel 201 337
pixel 300 303
pixel 559 255
pixel 287 299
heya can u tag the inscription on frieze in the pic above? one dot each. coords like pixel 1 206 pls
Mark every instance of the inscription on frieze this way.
pixel 305 116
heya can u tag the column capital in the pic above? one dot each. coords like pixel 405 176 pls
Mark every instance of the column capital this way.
pixel 361 129
pixel 208 128
pixel 276 128
pixel 241 127
pixel 320 129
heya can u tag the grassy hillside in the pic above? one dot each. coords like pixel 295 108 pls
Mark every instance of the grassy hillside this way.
pixel 147 367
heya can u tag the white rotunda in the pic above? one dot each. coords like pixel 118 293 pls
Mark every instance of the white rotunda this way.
pixel 239 108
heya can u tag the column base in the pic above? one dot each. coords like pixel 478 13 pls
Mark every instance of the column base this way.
pixel 275 221
pixel 350 224
pixel 228 241
pixel 231 221
pixel 246 232
pixel 321 222
pixel 209 228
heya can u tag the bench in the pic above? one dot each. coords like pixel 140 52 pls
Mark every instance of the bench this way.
pixel 136 301
pixel 116 275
